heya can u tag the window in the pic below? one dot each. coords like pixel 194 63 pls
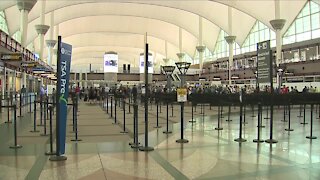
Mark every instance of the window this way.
pixel 3 23
pixel 306 26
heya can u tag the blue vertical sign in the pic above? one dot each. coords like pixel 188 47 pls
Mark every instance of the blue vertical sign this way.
pixel 64 63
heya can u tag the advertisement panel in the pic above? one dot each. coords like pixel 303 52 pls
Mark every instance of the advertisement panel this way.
pixel 110 62
pixel 150 63
pixel 62 93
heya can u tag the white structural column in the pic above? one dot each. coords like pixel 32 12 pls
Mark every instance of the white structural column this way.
pixel 80 79
pixel 24 6
pixel 230 40
pixel 166 59
pixel 42 28
pixel 277 25
pixel 200 48
pixel 180 54
pixel 51 42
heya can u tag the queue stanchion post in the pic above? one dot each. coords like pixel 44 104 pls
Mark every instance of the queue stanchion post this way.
pixel 20 105
pixel 1 103
pixel 129 105
pixel 167 125
pixel 182 140
pixel 16 145
pixel 221 113
pixel 311 124
pixel 259 140
pixel 115 112
pixel 244 115
pixel 75 105
pixel 304 115
pixel 267 116
pixel 192 114
pixel 160 107
pixel 300 111
pixel 73 116
pixel 252 109
pixel 240 139
pixel 30 104
pixel 34 117
pixel 219 119
pixel 135 143
pixel 107 104
pixel 271 140
pixel 44 123
pixel 124 117
pixel 51 152
pixel 318 111
pixel 8 112
pixel 229 113
pixel 289 119
pixel 111 107
pixel 284 114
pixel 41 113
pixel 171 109
pixel 157 126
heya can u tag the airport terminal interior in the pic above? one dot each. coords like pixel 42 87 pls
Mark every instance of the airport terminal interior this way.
pixel 113 89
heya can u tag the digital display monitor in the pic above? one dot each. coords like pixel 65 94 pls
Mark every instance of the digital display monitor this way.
pixel 150 63
pixel 110 63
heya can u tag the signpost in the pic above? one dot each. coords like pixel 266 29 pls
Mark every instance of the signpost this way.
pixel 182 95
pixel 63 75
pixel 264 65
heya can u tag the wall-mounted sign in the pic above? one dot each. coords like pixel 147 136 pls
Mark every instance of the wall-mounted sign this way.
pixel 28 64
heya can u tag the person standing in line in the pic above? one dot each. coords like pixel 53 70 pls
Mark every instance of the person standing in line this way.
pixel 134 93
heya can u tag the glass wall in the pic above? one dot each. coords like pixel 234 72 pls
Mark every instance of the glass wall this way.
pixel 3 23
pixel 306 26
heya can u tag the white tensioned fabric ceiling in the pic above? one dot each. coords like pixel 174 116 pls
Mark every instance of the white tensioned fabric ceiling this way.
pixel 96 26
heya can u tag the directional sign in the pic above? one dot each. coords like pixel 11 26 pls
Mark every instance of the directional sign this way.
pixel 264 63
pixel 11 57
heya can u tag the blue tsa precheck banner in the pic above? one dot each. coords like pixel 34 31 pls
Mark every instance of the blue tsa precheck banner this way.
pixel 62 92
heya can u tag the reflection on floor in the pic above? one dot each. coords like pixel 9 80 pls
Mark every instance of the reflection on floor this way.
pixel 104 152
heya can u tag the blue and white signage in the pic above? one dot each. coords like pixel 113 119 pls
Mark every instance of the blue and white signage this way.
pixel 62 93
pixel 150 63
pixel 110 61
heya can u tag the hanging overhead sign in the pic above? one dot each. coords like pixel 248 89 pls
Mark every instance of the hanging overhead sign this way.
pixel 11 57
pixel 28 64
pixel 110 62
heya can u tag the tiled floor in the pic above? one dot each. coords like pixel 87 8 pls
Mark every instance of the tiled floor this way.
pixel 104 152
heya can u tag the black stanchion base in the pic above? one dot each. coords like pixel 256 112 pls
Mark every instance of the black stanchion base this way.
pixel 115 123
pixel 57 158
pixel 40 125
pixel 228 120
pixel 284 121
pixel 218 128
pixel 124 132
pixel 129 113
pixel 261 126
pixel 157 127
pixel 15 146
pixel 271 141
pixel 258 141
pixel 34 131
pixel 8 122
pixel 50 153
pixel 192 121
pixel 135 146
pixel 44 134
pixel 182 141
pixel 146 148
pixel 240 140
pixel 76 140
pixel 132 143
pixel 20 116
pixel 303 123
pixel 288 129
pixel 253 116
pixel 266 118
pixel 311 137
pixel 167 132
pixel 299 116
